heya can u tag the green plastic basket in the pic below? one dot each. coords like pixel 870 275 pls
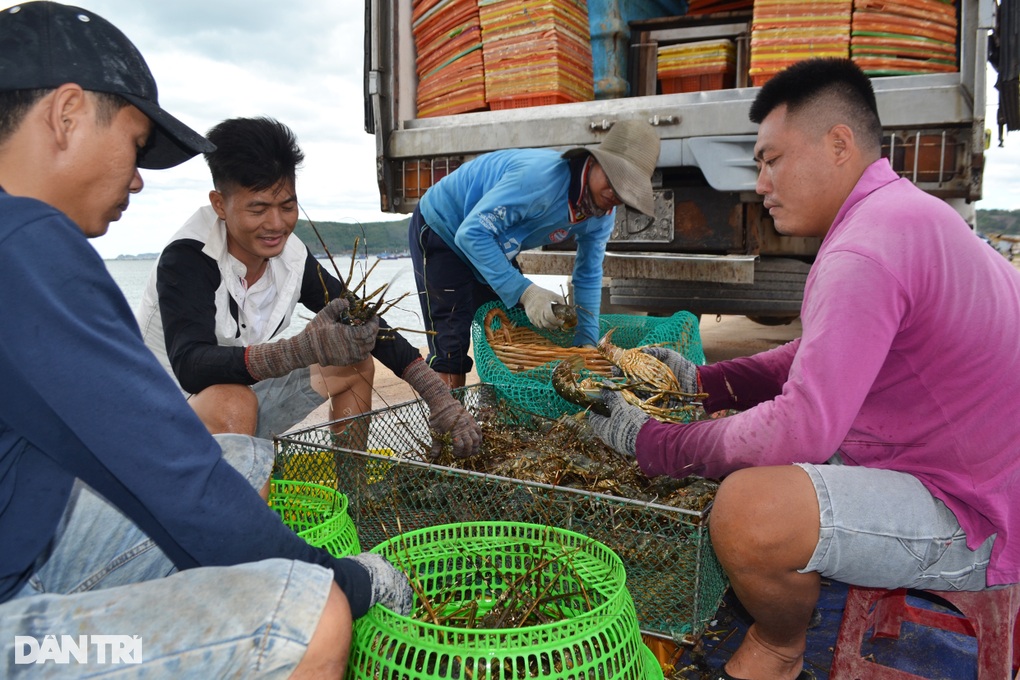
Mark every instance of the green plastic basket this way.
pixel 532 390
pixel 596 634
pixel 317 514
pixel 672 573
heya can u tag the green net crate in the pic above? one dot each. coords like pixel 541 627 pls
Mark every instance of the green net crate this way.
pixel 317 514
pixel 532 389
pixel 672 572
pixel 504 600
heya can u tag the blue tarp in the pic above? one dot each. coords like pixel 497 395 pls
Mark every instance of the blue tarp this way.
pixel 921 650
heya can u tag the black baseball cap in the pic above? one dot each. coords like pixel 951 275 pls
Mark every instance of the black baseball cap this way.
pixel 45 44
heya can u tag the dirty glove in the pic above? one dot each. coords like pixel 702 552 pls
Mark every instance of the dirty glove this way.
pixel 538 304
pixel 686 371
pixel 446 414
pixel 620 429
pixel 325 340
pixel 390 586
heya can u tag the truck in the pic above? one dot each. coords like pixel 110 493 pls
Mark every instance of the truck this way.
pixel 711 248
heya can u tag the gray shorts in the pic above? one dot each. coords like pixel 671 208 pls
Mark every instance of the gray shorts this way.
pixel 284 402
pixel 884 529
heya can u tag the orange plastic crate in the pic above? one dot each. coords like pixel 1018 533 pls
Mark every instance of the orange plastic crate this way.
pixel 698 83
pixel 526 100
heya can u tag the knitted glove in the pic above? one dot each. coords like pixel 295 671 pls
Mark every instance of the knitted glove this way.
pixel 538 304
pixel 446 414
pixel 686 371
pixel 620 429
pixel 390 586
pixel 325 340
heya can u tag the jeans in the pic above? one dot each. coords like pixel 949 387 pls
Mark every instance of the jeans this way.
pixel 104 577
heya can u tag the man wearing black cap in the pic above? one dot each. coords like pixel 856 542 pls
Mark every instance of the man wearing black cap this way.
pixel 109 483
pixel 469 227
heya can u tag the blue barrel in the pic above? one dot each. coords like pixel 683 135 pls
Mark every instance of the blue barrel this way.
pixel 609 21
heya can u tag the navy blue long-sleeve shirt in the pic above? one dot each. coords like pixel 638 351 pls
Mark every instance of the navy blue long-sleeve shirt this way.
pixel 82 396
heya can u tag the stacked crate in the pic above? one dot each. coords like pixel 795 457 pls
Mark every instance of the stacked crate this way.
pixel 700 7
pixel 696 66
pixel 535 52
pixel 448 39
pixel 784 32
pixel 903 37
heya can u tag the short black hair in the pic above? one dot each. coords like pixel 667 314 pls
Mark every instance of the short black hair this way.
pixel 107 106
pixel 15 105
pixel 253 153
pixel 809 81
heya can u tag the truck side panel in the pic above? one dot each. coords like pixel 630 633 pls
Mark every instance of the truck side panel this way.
pixel 716 251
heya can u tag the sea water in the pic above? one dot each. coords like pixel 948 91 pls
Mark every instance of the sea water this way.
pixel 133 275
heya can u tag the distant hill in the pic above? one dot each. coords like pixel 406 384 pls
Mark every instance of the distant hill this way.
pixel 998 222
pixel 383 237
pixel 373 238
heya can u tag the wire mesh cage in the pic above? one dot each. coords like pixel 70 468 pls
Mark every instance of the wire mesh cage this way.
pixel 672 573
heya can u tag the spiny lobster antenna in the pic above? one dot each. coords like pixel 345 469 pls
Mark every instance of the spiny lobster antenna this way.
pixel 322 242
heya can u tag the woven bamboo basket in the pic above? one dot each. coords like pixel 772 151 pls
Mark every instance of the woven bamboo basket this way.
pixel 522 349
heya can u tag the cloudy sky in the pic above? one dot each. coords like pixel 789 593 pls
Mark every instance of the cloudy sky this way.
pixel 299 61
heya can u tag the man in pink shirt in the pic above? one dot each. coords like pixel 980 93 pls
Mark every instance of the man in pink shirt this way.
pixel 880 448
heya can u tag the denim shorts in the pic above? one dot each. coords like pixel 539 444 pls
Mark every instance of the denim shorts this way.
pixel 104 577
pixel 284 402
pixel 884 529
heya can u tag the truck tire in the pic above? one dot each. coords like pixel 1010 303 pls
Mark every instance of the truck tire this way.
pixel 772 320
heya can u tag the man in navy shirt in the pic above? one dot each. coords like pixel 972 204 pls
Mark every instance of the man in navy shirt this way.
pixel 119 513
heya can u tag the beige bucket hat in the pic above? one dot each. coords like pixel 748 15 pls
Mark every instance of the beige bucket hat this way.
pixel 628 156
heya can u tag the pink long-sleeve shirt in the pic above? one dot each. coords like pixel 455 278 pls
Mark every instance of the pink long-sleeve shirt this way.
pixel 909 360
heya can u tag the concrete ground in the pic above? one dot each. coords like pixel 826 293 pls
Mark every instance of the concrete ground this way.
pixel 722 337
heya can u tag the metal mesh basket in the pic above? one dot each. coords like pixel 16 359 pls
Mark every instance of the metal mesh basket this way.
pixel 672 573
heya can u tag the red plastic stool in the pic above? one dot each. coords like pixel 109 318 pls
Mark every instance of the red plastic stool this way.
pixel 988 615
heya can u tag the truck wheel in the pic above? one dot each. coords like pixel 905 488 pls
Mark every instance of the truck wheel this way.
pixel 773 320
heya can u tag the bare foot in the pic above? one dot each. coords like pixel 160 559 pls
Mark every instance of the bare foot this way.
pixel 756 659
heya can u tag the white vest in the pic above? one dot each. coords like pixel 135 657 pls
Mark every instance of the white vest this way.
pixel 285 271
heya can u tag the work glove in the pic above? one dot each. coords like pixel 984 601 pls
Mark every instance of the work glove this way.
pixel 686 371
pixel 325 340
pixel 620 429
pixel 446 414
pixel 538 304
pixel 390 586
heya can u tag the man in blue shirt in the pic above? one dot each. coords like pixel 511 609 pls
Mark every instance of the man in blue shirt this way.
pixel 119 513
pixel 468 228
